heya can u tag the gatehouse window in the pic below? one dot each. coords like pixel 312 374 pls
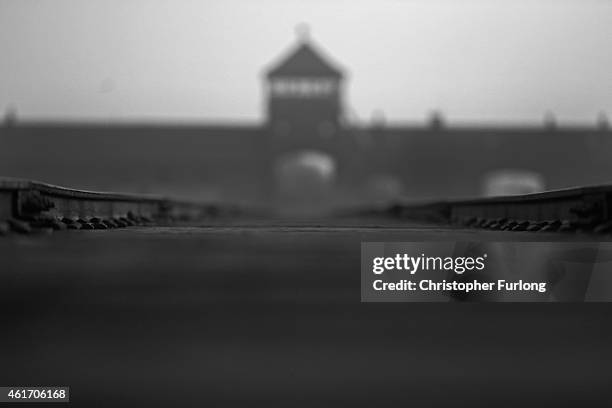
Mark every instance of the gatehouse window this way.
pixel 303 87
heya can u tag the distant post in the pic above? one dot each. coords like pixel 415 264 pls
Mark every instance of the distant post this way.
pixel 10 117
pixel 436 120
pixel 550 121
pixel 603 123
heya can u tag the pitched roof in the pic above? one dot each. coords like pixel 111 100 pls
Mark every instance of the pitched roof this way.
pixel 305 61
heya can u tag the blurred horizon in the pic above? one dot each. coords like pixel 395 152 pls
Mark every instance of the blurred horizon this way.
pixel 476 61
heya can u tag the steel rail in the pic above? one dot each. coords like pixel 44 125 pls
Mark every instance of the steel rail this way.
pixel 586 209
pixel 26 205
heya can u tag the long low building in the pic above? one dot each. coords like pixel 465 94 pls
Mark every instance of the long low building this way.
pixel 305 141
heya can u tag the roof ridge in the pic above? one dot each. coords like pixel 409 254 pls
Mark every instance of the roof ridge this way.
pixel 305 59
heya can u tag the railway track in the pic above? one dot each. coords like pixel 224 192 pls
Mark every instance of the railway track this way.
pixel 189 310
pixel 27 206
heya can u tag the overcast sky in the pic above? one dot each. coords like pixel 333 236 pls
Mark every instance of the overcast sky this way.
pixel 476 60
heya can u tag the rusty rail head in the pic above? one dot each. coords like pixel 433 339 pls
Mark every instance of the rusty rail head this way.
pixel 15 184
pixel 25 204
pixel 572 209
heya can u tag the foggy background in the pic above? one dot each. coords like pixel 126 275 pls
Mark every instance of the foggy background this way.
pixel 152 60
pixel 435 99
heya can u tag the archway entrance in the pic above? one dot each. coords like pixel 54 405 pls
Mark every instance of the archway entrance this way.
pixel 305 179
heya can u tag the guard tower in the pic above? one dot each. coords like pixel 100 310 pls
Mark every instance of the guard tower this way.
pixel 304 94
